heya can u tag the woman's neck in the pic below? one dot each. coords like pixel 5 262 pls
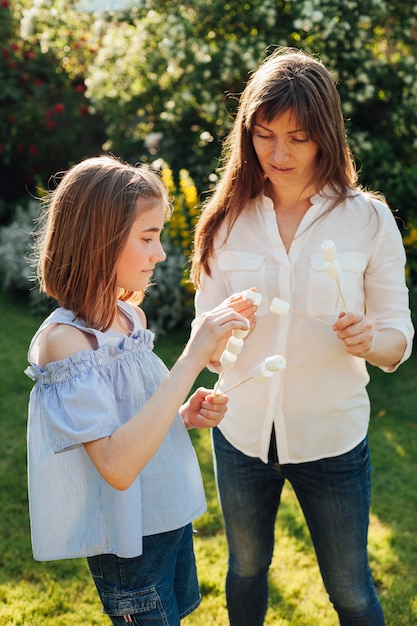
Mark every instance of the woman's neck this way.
pixel 290 207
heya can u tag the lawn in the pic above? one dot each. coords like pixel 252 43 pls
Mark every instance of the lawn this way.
pixel 61 593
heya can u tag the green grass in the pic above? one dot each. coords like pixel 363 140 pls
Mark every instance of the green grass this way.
pixel 61 593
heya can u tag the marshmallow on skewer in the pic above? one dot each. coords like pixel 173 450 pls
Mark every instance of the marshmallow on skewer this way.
pixel 260 373
pixel 279 307
pixel 240 333
pixel 254 296
pixel 333 268
pixel 264 371
pixel 275 363
pixel 234 345
pixel 328 249
pixel 227 360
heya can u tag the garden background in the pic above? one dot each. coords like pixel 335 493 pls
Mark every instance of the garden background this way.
pixel 158 82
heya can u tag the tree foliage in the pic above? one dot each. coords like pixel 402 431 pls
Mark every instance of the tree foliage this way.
pixel 161 80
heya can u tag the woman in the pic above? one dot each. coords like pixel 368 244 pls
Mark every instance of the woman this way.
pixel 289 184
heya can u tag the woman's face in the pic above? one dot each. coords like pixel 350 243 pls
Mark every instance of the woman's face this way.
pixel 285 152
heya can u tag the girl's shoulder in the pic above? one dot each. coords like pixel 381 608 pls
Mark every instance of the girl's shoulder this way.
pixel 59 341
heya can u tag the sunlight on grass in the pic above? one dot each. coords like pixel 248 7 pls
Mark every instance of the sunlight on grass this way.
pixel 63 594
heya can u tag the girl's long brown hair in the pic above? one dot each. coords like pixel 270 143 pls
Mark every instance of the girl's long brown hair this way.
pixel 287 80
pixel 84 228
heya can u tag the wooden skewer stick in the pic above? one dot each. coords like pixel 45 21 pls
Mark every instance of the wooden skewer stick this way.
pixel 317 319
pixel 219 380
pixel 238 384
pixel 341 294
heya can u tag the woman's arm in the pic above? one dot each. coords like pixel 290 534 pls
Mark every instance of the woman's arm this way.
pixel 383 348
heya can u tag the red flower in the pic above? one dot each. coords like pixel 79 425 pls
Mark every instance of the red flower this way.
pixel 38 82
pixel 51 125
pixel 79 88
pixel 5 3
pixel 2 149
pixel 32 150
pixel 83 110
pixel 58 108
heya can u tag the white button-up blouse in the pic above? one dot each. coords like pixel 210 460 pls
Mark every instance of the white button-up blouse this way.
pixel 318 403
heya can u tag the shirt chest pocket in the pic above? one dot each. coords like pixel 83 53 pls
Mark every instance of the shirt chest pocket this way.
pixel 243 270
pixel 323 296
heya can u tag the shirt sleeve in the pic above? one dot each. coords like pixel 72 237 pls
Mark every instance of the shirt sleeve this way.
pixel 79 408
pixel 387 298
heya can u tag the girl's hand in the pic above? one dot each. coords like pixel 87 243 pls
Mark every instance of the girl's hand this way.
pixel 356 332
pixel 243 306
pixel 211 331
pixel 204 409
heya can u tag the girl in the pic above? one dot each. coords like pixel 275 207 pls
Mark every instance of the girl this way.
pixel 289 184
pixel 112 473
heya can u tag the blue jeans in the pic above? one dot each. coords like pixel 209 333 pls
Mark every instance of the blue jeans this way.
pixel 334 495
pixel 158 588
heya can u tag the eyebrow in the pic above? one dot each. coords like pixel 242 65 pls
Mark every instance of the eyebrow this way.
pixel 152 229
pixel 297 130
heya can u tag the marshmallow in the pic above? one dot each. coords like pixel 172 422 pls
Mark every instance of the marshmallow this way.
pixel 279 307
pixel 260 373
pixel 275 363
pixel 255 296
pixel 328 249
pixel 240 333
pixel 227 360
pixel 333 268
pixel 234 345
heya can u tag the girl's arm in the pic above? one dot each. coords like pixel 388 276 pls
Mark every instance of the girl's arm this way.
pixel 121 457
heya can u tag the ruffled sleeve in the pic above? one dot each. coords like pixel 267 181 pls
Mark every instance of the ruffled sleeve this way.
pixel 78 399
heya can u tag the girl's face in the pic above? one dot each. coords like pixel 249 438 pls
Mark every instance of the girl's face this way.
pixel 143 249
pixel 285 152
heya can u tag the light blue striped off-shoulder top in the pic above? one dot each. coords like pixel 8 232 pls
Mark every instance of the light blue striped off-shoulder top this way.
pixel 73 511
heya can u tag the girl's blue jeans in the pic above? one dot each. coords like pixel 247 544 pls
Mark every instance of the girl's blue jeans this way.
pixel 158 588
pixel 334 495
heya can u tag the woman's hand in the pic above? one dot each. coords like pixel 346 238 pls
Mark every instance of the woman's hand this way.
pixel 382 347
pixel 204 409
pixel 356 332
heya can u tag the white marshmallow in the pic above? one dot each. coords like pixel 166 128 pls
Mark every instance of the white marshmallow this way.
pixel 235 345
pixel 260 373
pixel 275 363
pixel 279 307
pixel 227 360
pixel 328 249
pixel 255 296
pixel 239 333
pixel 333 268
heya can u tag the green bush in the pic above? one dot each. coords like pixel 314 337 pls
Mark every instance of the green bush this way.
pixel 160 81
pixel 47 123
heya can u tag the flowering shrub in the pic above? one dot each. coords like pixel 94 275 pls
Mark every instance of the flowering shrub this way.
pixel 162 78
pixel 169 303
pixel 47 122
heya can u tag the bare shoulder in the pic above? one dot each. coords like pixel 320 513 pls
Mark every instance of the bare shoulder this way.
pixel 61 341
pixel 142 317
